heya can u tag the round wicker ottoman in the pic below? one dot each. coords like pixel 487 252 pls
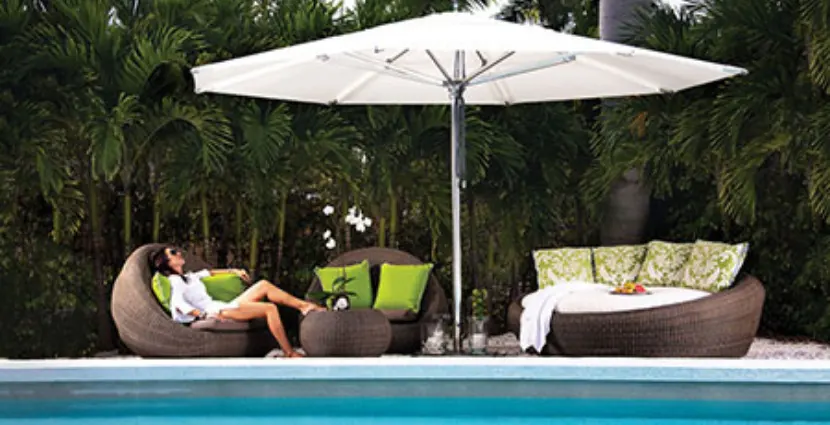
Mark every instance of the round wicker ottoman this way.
pixel 350 333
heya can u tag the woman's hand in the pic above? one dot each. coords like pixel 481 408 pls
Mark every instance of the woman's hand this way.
pixel 243 275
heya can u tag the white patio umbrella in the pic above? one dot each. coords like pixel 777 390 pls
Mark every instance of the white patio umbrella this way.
pixel 455 58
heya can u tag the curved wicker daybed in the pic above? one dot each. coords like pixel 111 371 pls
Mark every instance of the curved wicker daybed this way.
pixel 150 332
pixel 406 336
pixel 718 325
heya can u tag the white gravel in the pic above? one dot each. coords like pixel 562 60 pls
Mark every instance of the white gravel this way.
pixel 763 348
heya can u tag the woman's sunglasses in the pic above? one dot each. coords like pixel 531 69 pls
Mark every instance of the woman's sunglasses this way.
pixel 174 251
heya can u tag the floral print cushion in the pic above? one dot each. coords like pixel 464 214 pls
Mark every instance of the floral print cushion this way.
pixel 616 265
pixel 563 265
pixel 664 263
pixel 712 266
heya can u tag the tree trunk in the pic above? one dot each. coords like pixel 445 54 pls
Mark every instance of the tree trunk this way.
pixel 128 220
pixel 347 229
pixel 105 342
pixel 382 232
pixel 473 258
pixel 156 216
pixel 393 219
pixel 237 248
pixel 627 206
pixel 280 236
pixel 254 258
pixel 205 224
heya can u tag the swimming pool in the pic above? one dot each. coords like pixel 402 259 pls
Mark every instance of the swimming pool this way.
pixel 405 391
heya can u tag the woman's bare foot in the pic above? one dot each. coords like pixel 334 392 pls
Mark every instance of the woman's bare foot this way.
pixel 293 354
pixel 309 307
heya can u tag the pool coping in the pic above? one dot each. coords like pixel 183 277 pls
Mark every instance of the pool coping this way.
pixel 635 370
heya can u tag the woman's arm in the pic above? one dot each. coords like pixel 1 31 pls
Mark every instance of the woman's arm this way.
pixel 239 272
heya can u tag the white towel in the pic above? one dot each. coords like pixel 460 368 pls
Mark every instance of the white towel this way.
pixel 538 310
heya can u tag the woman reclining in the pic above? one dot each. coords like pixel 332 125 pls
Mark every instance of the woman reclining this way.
pixel 189 300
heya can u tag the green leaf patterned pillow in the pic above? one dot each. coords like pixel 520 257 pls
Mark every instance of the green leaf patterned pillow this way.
pixel 664 263
pixel 712 266
pixel 618 264
pixel 563 265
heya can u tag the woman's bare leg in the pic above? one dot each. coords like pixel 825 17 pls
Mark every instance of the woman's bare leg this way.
pixel 254 310
pixel 266 289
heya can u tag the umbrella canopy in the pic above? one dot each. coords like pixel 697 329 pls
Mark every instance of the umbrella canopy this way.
pixel 410 62
pixel 455 58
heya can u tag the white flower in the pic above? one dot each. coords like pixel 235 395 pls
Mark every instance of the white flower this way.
pixel 360 227
pixel 331 244
pixel 327 234
pixel 367 222
pixel 328 210
pixel 350 219
pixel 353 211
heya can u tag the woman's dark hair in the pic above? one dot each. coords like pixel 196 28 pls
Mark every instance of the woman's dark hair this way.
pixel 161 262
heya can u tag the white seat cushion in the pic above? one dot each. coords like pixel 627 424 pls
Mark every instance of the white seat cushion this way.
pixel 603 301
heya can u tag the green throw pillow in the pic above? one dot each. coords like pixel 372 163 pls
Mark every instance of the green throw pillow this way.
pixel 361 285
pixel 401 287
pixel 563 265
pixel 161 288
pixel 664 263
pixel 224 287
pixel 615 265
pixel 712 266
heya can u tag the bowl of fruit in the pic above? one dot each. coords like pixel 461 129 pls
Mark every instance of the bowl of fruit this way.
pixel 630 288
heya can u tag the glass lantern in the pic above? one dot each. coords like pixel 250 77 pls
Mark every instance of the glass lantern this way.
pixel 436 335
pixel 477 335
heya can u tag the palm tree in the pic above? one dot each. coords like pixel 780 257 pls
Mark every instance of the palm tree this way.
pixel 626 215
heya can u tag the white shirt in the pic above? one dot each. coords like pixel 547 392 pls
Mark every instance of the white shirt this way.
pixel 189 294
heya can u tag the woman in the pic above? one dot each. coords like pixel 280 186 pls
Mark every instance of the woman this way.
pixel 189 300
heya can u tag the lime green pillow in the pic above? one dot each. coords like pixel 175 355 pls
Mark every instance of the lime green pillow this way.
pixel 402 287
pixel 361 284
pixel 713 266
pixel 563 265
pixel 664 263
pixel 161 288
pixel 224 287
pixel 615 265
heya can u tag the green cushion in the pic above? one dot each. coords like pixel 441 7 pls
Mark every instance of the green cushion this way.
pixel 615 265
pixel 161 288
pixel 402 287
pixel 361 285
pixel 563 265
pixel 664 263
pixel 712 266
pixel 224 287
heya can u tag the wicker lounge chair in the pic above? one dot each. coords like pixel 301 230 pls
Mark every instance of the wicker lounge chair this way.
pixel 718 325
pixel 149 331
pixel 406 335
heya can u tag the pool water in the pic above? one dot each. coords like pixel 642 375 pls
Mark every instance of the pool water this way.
pixel 406 411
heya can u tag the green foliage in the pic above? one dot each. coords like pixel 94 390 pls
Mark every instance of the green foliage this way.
pixel 100 122
pixel 479 300
pixel 741 160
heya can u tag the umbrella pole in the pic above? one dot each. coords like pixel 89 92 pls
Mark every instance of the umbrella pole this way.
pixel 456 159
pixel 457 122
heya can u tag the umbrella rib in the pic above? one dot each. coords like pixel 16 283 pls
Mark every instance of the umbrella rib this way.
pixel 368 76
pixel 559 60
pixel 362 81
pixel 624 74
pixel 406 73
pixel 439 66
pixel 504 92
pixel 489 66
